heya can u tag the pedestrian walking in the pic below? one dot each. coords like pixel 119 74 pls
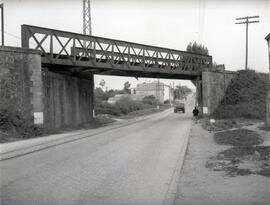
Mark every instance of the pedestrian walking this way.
pixel 195 114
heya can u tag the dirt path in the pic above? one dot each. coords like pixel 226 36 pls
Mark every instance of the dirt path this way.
pixel 200 186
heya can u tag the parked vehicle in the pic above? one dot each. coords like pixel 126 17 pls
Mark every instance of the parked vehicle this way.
pixel 179 106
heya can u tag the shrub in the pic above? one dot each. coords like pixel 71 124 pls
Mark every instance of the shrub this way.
pixel 16 125
pixel 239 137
pixel 150 100
pixel 245 96
pixel 167 102
pixel 127 105
pixel 107 108
pixel 124 106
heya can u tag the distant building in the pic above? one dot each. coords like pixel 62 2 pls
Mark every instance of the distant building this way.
pixel 268 96
pixel 168 93
pixel 159 90
pixel 154 88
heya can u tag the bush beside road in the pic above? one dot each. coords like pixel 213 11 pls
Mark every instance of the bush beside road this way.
pixel 245 96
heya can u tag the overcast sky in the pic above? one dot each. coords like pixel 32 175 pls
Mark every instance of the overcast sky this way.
pixel 165 23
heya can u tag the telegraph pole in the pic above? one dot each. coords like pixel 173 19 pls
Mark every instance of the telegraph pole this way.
pixel 2 23
pixel 247 22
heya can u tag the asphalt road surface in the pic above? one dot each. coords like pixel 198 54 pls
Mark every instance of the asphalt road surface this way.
pixel 134 164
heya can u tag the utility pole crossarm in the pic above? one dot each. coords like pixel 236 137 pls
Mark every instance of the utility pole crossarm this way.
pixel 244 22
pixel 248 17
pixel 253 21
pixel 247 22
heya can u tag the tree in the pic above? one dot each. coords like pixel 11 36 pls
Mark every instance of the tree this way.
pixel 102 83
pixel 180 92
pixel 150 100
pixel 197 48
pixel 126 87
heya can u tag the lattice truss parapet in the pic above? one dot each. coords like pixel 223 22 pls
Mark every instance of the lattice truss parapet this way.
pixel 73 49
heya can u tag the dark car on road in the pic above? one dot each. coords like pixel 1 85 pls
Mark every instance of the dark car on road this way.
pixel 179 106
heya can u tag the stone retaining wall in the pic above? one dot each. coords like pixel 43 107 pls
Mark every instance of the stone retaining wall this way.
pixel 20 80
pixel 50 99
pixel 214 85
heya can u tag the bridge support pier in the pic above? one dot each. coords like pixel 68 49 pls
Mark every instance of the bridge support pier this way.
pixel 214 85
pixel 47 98
pixel 68 100
pixel 198 100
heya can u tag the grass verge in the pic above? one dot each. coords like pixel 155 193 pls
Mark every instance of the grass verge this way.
pixel 241 161
pixel 244 158
pixel 226 124
pixel 239 137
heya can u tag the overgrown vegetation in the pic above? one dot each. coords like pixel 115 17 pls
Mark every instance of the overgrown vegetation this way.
pixel 245 96
pixel 181 92
pixel 124 106
pixel 241 161
pixel 14 122
pixel 14 125
pixel 150 100
pixel 127 105
pixel 244 158
pixel 238 137
pixel 244 100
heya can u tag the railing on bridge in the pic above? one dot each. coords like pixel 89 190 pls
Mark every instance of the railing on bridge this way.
pixel 73 49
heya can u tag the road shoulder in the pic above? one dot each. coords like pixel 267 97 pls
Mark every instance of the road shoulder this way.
pixel 199 185
pixel 23 147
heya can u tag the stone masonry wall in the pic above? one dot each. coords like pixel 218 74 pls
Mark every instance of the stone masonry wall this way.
pixel 68 100
pixel 51 99
pixel 20 84
pixel 214 85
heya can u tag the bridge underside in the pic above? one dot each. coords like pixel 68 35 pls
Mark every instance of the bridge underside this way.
pixel 87 72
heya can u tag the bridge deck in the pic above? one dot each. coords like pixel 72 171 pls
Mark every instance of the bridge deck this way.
pixel 81 54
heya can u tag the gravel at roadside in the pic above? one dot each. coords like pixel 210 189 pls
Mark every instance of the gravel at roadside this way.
pixel 198 185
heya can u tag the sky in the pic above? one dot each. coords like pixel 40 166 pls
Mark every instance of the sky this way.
pixel 165 23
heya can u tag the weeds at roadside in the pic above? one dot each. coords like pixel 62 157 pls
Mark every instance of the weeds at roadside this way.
pixel 244 158
pixel 265 128
pixel 238 137
pixel 242 161
pixel 225 124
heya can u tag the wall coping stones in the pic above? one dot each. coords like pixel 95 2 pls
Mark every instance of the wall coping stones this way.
pixel 19 50
pixel 218 71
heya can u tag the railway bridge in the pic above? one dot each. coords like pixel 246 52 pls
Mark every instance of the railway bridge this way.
pixel 60 65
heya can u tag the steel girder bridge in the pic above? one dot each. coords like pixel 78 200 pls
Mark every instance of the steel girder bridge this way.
pixel 82 55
